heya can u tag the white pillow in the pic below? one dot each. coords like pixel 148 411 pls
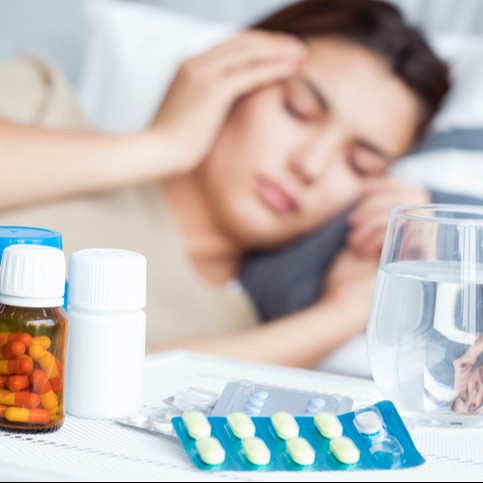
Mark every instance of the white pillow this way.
pixel 132 53
pixel 452 157
pixel 464 104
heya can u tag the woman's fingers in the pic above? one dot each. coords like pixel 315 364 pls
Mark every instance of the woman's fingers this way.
pixel 248 48
pixel 367 238
pixel 259 76
pixel 475 390
pixel 247 62
pixel 368 206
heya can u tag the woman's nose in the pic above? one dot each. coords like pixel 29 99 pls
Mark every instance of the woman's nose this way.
pixel 311 162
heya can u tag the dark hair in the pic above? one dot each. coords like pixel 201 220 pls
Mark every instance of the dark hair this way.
pixel 381 28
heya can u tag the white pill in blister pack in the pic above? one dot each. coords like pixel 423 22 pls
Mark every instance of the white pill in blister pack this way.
pixel 328 425
pixel 197 424
pixel 241 425
pixel 256 450
pixel 285 425
pixel 301 451
pixel 210 450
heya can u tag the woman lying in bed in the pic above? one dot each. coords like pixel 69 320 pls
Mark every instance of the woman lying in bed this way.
pixel 259 142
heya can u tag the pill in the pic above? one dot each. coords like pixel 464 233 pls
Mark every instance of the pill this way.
pixel 137 420
pixel 317 402
pixel 197 424
pixel 241 425
pixel 42 341
pixel 49 365
pixel 256 451
pixel 36 351
pixel 23 415
pixel 311 409
pixel 259 394
pixel 300 451
pixel 42 387
pixel 3 382
pixel 285 425
pixel 3 408
pixel 253 410
pixel 23 337
pixel 54 411
pixel 258 403
pixel 161 425
pixel 12 349
pixel 344 449
pixel 211 451
pixel 22 365
pixel 328 424
pixel 18 383
pixel 368 422
pixel 22 399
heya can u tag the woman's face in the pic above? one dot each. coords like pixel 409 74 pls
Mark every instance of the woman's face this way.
pixel 293 155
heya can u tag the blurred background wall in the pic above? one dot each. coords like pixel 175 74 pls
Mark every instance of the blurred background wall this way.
pixel 454 15
pixel 55 28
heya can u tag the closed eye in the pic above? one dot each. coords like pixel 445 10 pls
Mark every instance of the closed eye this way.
pixel 300 101
pixel 366 162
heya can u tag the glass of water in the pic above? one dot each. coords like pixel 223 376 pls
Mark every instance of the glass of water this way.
pixel 425 331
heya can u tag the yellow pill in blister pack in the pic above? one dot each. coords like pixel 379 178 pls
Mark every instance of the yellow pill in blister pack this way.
pixel 344 449
pixel 197 424
pixel 285 425
pixel 241 425
pixel 211 451
pixel 328 425
pixel 301 451
pixel 256 451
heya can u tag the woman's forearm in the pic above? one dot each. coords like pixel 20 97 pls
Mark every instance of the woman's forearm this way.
pixel 298 340
pixel 40 164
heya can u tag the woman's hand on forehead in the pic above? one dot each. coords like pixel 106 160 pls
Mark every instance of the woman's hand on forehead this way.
pixel 206 87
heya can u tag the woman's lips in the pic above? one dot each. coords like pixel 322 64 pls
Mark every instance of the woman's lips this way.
pixel 276 197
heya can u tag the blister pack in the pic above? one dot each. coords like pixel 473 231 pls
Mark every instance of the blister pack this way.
pixel 264 400
pixel 372 437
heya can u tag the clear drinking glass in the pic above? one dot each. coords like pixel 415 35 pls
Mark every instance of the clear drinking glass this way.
pixel 425 331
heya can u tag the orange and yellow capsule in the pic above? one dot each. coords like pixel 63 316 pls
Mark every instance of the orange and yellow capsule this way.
pixel 48 364
pixel 12 349
pixel 23 399
pixel 42 341
pixel 22 365
pixel 24 415
pixel 42 387
pixel 23 337
pixel 18 383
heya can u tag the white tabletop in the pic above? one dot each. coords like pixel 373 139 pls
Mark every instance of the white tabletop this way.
pixel 87 450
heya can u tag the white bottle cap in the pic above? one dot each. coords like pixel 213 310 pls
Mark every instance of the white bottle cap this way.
pixel 107 279
pixel 32 276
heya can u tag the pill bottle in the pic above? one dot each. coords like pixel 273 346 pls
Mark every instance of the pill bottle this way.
pixel 29 235
pixel 107 297
pixel 33 338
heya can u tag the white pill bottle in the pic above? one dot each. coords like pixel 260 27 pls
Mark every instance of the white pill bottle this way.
pixel 107 338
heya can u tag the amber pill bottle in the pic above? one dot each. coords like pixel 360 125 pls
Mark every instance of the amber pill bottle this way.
pixel 33 339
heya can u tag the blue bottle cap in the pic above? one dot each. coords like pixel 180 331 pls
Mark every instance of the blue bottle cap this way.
pixel 12 235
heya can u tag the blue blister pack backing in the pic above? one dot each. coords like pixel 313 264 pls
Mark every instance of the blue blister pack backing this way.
pixel 390 448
